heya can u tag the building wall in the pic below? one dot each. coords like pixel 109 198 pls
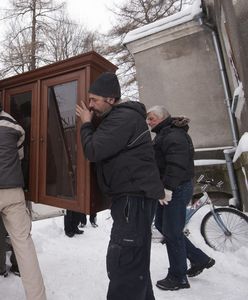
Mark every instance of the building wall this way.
pixel 183 74
pixel 178 67
pixel 236 24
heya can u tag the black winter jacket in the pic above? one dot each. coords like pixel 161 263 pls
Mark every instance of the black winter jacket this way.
pixel 174 152
pixel 122 149
pixel 11 152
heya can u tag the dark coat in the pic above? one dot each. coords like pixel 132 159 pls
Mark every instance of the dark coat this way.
pixel 11 143
pixel 174 152
pixel 122 149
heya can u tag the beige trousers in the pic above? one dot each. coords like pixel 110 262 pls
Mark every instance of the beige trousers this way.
pixel 17 221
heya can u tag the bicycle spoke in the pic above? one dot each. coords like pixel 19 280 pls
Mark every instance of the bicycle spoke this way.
pixel 234 221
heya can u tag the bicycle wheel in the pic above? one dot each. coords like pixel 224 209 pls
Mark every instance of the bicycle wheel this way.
pixel 234 220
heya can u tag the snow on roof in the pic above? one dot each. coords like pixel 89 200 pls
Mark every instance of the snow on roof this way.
pixel 183 16
pixel 208 162
pixel 242 146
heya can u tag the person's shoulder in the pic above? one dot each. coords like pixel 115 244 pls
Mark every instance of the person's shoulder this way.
pixel 178 135
pixel 174 133
pixel 9 122
pixel 7 117
pixel 131 107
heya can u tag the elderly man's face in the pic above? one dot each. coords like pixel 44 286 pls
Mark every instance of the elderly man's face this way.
pixel 153 120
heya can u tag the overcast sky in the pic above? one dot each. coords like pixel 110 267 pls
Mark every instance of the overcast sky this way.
pixel 91 13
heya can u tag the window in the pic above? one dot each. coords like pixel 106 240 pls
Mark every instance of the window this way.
pixel 61 141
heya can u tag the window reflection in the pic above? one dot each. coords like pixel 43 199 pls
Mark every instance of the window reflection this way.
pixel 20 109
pixel 61 141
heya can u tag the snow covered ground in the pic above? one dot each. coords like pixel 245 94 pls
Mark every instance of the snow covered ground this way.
pixel 74 268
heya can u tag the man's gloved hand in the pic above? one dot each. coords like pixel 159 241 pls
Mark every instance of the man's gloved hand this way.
pixel 167 198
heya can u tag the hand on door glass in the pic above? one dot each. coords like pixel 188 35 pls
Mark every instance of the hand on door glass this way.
pixel 84 113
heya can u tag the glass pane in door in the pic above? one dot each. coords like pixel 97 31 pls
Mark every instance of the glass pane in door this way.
pixel 61 141
pixel 20 109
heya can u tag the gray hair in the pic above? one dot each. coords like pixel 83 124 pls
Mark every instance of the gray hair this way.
pixel 160 111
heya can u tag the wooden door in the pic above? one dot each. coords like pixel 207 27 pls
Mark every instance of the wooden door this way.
pixel 63 169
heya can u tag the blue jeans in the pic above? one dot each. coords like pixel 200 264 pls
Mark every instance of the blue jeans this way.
pixel 170 221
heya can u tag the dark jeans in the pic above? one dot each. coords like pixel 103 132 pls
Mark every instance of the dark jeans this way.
pixel 128 256
pixel 170 221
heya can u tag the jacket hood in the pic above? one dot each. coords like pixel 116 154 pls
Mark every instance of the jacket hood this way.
pixel 180 122
pixel 135 105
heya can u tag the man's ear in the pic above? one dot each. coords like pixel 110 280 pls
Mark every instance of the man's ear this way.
pixel 110 101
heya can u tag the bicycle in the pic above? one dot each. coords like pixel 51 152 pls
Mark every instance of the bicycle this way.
pixel 223 228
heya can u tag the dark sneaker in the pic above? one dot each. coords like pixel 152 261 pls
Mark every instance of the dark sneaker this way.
pixel 15 270
pixel 195 270
pixel 163 241
pixel 171 284
pixel 77 231
pixel 4 274
pixel 81 225
pixel 93 224
pixel 70 234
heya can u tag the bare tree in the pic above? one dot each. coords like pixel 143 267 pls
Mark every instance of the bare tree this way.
pixel 40 33
pixel 130 15
pixel 29 22
pixel 16 54
pixel 66 38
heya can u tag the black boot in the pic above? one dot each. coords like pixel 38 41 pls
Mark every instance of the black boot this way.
pixel 78 231
pixel 195 270
pixel 15 270
pixel 170 283
pixel 4 273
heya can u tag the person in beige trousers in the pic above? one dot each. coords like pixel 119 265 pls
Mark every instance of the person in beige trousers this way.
pixel 13 209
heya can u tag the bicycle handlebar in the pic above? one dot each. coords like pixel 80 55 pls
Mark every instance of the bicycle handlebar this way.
pixel 208 182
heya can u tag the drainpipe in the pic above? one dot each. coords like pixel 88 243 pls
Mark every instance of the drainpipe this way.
pixel 235 201
pixel 226 89
pixel 227 93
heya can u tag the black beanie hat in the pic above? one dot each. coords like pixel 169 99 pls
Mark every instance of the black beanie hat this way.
pixel 106 85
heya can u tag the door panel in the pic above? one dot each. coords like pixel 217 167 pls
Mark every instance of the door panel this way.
pixel 59 153
pixel 21 105
pixel 61 141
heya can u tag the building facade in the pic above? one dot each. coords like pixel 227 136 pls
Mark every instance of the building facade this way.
pixel 195 63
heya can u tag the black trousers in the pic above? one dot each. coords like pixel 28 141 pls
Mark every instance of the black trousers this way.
pixel 71 221
pixel 128 255
pixel 83 218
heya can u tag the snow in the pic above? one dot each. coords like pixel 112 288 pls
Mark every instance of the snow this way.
pixel 186 15
pixel 213 148
pixel 242 146
pixel 208 162
pixel 74 268
pixel 238 100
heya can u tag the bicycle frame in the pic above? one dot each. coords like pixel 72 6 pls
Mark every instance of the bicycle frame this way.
pixel 196 206
pixel 205 199
pixel 218 220
pixel 223 228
